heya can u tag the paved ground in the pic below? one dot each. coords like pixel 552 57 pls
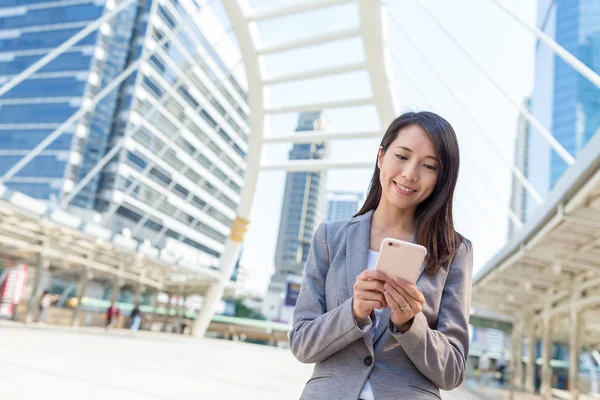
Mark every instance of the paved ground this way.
pixel 46 363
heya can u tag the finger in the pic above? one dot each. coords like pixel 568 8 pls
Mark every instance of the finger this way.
pixel 372 274
pixel 370 304
pixel 393 304
pixel 398 298
pixel 369 285
pixel 411 289
pixel 415 306
pixel 371 296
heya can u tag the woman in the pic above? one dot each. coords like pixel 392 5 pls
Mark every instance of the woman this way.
pixel 45 302
pixel 373 337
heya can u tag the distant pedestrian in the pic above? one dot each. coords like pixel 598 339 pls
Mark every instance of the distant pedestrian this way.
pixel 112 315
pixel 45 302
pixel 501 367
pixel 136 319
pixel 484 367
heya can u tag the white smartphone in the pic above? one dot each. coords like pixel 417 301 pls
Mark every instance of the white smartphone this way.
pixel 398 258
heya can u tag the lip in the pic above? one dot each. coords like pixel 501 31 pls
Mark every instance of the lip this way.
pixel 401 192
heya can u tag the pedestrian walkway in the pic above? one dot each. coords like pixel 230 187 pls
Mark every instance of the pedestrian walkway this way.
pixel 496 393
pixel 44 362
pixel 53 362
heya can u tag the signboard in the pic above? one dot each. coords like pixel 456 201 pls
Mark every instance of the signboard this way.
pixel 291 294
pixel 11 290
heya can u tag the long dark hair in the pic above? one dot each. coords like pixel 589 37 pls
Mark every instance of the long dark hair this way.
pixel 433 217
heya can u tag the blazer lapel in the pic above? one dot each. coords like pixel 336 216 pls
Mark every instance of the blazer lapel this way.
pixel 421 272
pixel 357 248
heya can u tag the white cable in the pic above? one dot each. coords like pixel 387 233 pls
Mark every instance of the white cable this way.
pixel 496 196
pixel 560 51
pixel 515 170
pixel 560 150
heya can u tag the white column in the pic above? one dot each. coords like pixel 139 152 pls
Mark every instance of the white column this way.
pixel 167 309
pixel 180 310
pixel 574 346
pixel 140 288
pixel 118 282
pixel 245 33
pixel 86 275
pixel 531 360
pixel 546 388
pixel 154 305
pixel 517 357
pixel 34 297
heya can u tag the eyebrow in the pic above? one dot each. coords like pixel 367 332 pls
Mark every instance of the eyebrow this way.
pixel 410 151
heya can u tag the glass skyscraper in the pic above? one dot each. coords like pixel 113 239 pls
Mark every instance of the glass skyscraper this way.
pixel 576 114
pixel 564 101
pixel 182 118
pixel 33 109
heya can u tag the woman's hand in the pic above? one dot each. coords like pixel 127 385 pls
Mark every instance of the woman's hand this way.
pixel 405 300
pixel 368 293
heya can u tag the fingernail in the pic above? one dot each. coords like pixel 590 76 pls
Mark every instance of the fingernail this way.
pixel 397 280
pixel 386 286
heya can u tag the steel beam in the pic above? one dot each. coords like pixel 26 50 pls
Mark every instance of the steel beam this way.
pixel 287 10
pixel 309 41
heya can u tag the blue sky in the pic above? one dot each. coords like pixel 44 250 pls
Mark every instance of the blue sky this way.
pixel 505 50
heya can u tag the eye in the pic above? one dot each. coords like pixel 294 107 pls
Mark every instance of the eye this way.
pixel 431 167
pixel 401 157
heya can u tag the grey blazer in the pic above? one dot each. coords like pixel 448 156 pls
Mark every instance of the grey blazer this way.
pixel 430 356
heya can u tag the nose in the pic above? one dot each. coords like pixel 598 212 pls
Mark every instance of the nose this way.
pixel 410 173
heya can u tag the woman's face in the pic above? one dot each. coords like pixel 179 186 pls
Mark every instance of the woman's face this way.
pixel 408 169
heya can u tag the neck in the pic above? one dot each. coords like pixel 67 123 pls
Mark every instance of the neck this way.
pixel 387 218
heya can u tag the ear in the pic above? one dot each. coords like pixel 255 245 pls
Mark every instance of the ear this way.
pixel 380 155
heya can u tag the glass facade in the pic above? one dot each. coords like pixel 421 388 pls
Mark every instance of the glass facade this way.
pixel 36 107
pixel 182 117
pixel 303 205
pixel 576 113
pixel 564 101
pixel 343 205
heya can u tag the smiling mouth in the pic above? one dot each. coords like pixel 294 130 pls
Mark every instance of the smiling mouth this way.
pixel 404 189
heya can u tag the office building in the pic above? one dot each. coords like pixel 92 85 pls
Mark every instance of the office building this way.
pixel 564 101
pixel 343 205
pixel 181 118
pixel 303 210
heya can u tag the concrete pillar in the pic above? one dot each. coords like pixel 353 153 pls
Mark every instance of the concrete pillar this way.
pixel 154 305
pixel 517 357
pixel 84 278
pixel 546 388
pixel 531 360
pixel 574 346
pixel 116 289
pixel 118 282
pixel 140 288
pixel 168 308
pixel 38 286
pixel 181 312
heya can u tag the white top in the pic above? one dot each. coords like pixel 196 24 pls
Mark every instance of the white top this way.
pixel 46 302
pixel 367 390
